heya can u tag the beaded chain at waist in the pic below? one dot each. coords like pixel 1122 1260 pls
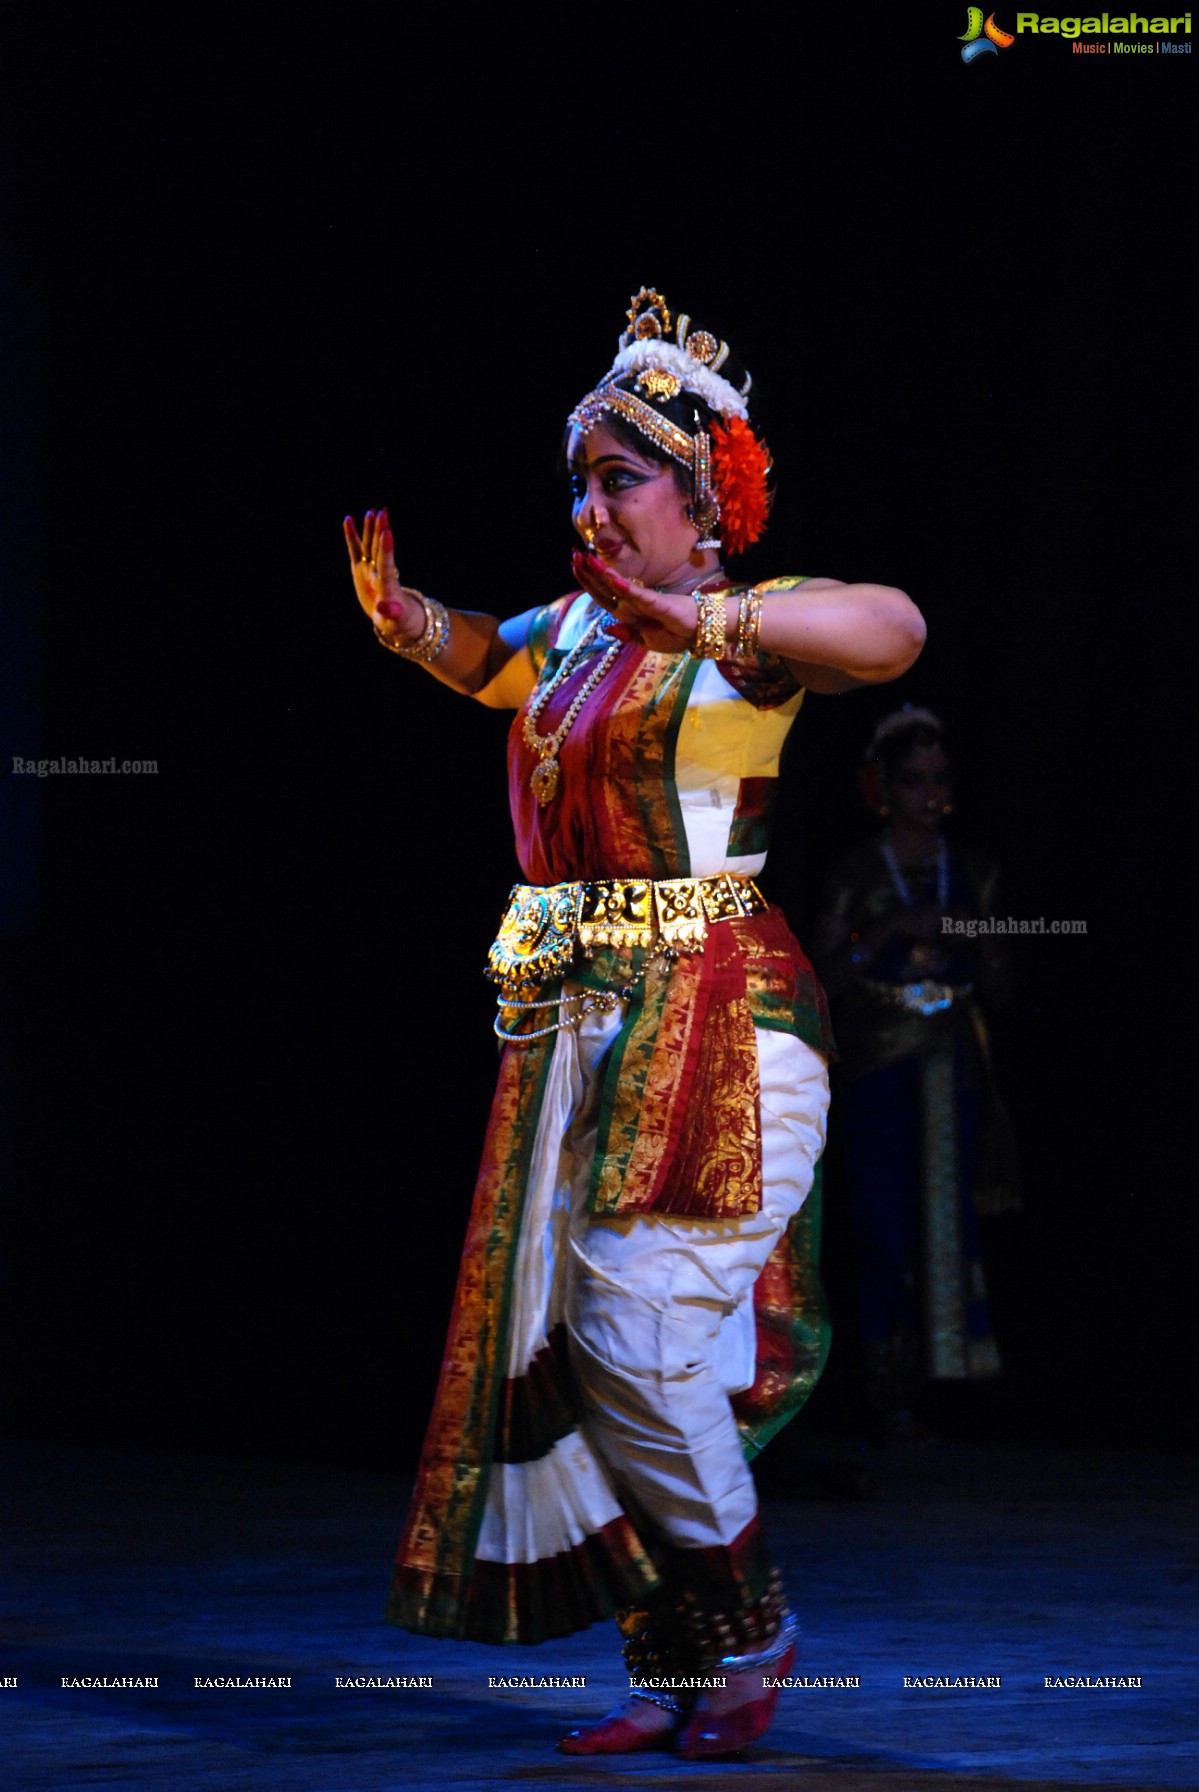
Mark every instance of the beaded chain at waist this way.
pixel 924 998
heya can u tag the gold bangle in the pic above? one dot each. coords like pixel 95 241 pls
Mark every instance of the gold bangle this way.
pixel 433 637
pixel 711 626
pixel 749 624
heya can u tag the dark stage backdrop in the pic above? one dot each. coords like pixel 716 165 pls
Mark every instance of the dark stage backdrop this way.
pixel 255 278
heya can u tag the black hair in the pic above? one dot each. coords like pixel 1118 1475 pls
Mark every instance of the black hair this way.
pixel 903 740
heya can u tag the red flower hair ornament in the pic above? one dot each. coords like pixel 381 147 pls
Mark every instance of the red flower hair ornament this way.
pixel 741 466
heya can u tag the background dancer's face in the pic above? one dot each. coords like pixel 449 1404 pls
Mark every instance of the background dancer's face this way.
pixel 920 787
pixel 630 508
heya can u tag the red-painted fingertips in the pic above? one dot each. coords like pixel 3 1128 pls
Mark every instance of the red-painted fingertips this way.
pixel 584 567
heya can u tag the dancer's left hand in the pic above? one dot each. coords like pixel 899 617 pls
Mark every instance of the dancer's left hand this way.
pixel 664 621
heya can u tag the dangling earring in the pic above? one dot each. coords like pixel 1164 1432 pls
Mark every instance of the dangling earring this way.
pixel 947 808
pixel 703 513
pixel 707 525
pixel 702 541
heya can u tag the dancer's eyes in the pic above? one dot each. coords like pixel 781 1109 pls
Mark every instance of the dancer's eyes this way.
pixel 615 479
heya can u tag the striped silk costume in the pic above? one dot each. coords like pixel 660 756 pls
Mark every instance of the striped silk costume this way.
pixel 638 1309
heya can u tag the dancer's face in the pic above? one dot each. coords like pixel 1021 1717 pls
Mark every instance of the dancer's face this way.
pixel 630 509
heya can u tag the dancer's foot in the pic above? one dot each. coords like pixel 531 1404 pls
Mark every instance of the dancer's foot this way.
pixel 636 1724
pixel 728 1718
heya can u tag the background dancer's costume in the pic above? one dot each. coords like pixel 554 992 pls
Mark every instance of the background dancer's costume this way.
pixel 643 1239
pixel 924 1137
pixel 927 1142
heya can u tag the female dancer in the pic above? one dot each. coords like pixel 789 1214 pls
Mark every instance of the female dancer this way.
pixel 640 1250
pixel 926 1143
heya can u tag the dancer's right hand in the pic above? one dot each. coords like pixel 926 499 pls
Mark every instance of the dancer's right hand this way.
pixel 392 609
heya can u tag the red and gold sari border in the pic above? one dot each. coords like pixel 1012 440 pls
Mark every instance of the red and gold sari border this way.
pixel 527 1602
pixel 679 1125
pixel 537 1409
pixel 792 1329
pixel 443 1523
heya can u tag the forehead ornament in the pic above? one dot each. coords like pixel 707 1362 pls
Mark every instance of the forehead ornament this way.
pixel 659 382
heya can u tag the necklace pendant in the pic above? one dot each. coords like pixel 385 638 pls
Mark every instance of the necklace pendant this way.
pixel 544 780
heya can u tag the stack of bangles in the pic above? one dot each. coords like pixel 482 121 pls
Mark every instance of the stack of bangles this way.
pixel 711 641
pixel 712 625
pixel 433 637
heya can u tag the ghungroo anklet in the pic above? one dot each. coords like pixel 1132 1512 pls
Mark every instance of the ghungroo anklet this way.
pixel 665 1701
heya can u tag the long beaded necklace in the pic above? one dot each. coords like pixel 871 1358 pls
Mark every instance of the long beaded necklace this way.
pixel 546 773
pixel 901 884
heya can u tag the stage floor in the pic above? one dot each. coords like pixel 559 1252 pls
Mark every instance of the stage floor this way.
pixel 965 1561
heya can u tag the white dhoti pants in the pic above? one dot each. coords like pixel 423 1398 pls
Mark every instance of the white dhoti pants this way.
pixel 659 1309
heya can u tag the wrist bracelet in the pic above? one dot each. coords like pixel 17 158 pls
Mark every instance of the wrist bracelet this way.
pixel 711 626
pixel 433 637
pixel 749 624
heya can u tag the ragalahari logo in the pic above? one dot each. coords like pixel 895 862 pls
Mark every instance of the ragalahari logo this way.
pixel 981 39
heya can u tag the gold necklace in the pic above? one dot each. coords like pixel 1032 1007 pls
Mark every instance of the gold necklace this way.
pixel 545 775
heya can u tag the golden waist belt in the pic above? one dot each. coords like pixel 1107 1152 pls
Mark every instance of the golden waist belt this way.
pixel 923 998
pixel 546 926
